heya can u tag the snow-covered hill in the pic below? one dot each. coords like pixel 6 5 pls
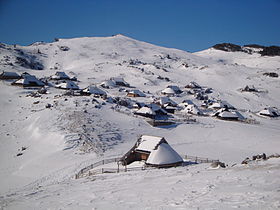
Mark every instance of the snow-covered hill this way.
pixel 42 148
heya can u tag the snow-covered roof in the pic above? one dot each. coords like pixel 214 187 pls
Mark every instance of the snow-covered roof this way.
pixel 168 91
pixel 108 83
pixel 175 88
pixel 193 85
pixel 9 74
pixel 227 114
pixel 163 155
pixel 146 110
pixel 221 104
pixel 224 113
pixel 94 90
pixel 166 100
pixel 60 75
pixel 29 80
pixel 185 103
pixel 193 109
pixel 137 92
pixel 156 108
pixel 119 80
pixel 148 143
pixel 269 111
pixel 67 85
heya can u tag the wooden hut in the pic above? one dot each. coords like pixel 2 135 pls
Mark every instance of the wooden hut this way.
pixel 9 75
pixel 155 151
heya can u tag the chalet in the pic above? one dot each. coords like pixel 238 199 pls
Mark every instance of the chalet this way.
pixel 193 85
pixel 185 103
pixel 168 92
pixel 226 114
pixel 221 104
pixel 135 93
pixel 200 96
pixel 28 80
pixel 157 109
pixel 176 89
pixel 108 84
pixel 68 85
pixel 171 90
pixel 192 109
pixel 9 75
pixel 249 88
pixel 146 112
pixel 155 151
pixel 166 101
pixel 93 90
pixel 60 75
pixel 151 111
pixel 119 81
pixel 269 112
pixel 169 109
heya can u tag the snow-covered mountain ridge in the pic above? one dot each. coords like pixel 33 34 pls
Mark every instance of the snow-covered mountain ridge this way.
pixel 76 131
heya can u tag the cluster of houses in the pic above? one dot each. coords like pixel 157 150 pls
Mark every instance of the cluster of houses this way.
pixel 161 107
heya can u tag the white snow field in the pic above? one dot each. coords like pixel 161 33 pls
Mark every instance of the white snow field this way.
pixel 41 149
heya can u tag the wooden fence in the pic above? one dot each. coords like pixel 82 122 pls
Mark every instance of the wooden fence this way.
pixel 88 171
pixel 196 159
pixel 94 165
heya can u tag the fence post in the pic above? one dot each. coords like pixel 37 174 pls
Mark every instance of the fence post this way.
pixel 102 170
pixel 206 160
pixel 196 159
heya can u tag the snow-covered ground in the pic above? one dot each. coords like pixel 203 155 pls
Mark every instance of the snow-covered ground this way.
pixel 55 143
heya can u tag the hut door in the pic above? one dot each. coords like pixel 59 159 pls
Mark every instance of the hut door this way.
pixel 144 156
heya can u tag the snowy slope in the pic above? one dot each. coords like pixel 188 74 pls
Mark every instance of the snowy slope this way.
pixel 76 131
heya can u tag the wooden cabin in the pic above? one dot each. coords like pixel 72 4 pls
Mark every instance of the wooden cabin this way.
pixel 155 151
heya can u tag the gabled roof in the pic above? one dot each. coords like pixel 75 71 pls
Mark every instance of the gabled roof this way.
pixel 164 155
pixel 8 75
pixel 92 89
pixel 168 91
pixel 166 100
pixel 146 110
pixel 108 84
pixel 269 111
pixel 186 103
pixel 60 75
pixel 148 143
pixel 28 80
pixel 228 114
pixel 175 88
pixel 193 85
pixel 137 92
pixel 156 108
pixel 192 109
pixel 119 80
pixel 67 85
pixel 221 104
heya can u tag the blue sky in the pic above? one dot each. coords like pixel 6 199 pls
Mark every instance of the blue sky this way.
pixel 190 25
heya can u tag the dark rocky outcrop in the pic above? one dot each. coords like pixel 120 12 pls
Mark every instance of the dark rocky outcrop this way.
pixel 228 47
pixel 271 74
pixel 271 51
pixel 266 51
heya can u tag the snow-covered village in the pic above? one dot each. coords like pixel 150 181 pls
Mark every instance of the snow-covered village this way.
pixel 111 122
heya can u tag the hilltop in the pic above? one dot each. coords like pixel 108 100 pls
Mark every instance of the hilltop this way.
pixel 60 132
